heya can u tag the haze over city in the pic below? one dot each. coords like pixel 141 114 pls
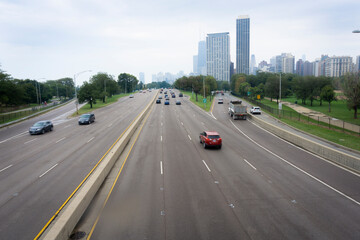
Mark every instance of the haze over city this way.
pixel 56 39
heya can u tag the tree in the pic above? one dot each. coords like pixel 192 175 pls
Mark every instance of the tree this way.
pixel 225 86
pixel 272 87
pixel 104 84
pixel 327 94
pixel 127 82
pixel 351 88
pixel 235 82
pixel 87 92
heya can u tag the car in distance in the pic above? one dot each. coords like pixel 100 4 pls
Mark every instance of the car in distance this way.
pixel 86 118
pixel 255 110
pixel 181 95
pixel 41 127
pixel 158 101
pixel 210 139
pixel 167 102
pixel 220 101
pixel 178 102
pixel 160 97
pixel 131 96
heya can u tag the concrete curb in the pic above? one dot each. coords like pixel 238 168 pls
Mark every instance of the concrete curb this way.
pixel 64 223
pixel 333 155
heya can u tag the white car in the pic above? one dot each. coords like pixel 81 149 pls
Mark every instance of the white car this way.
pixel 220 101
pixel 255 110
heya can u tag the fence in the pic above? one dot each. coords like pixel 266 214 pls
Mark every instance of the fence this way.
pixel 12 116
pixel 327 122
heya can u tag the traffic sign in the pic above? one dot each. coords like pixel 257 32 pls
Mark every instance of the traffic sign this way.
pixel 204 100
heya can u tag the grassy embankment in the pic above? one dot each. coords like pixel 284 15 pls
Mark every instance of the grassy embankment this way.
pixel 348 140
pixel 200 102
pixel 99 104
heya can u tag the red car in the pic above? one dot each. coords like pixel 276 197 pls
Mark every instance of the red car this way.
pixel 210 139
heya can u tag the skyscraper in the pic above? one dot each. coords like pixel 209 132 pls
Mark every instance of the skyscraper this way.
pixel 218 56
pixel 202 58
pixel 242 44
pixel 142 77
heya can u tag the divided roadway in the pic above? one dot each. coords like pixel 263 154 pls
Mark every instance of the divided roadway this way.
pixel 256 187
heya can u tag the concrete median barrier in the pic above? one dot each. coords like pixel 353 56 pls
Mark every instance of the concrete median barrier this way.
pixel 64 222
pixel 344 159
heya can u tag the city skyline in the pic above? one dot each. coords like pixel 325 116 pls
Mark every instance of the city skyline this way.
pixel 66 37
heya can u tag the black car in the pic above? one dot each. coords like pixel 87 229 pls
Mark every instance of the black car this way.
pixel 180 95
pixel 178 102
pixel 158 101
pixel 87 118
pixel 41 127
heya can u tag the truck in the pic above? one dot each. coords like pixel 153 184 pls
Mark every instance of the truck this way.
pixel 237 110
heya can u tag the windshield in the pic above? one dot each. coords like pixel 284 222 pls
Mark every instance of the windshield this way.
pixel 85 116
pixel 39 124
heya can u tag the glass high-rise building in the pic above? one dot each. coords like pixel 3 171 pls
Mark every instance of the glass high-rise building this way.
pixel 202 58
pixel 242 44
pixel 218 56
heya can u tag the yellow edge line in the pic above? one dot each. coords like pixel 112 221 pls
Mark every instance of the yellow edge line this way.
pixel 82 182
pixel 116 179
pixel 212 106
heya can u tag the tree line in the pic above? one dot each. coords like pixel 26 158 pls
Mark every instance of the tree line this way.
pixel 103 85
pixel 17 92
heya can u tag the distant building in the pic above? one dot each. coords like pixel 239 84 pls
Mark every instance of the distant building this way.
pixel 288 63
pixel 202 58
pixel 218 56
pixel 242 44
pixel 232 69
pixel 299 67
pixel 142 77
pixel 195 65
pixel 253 65
pixel 357 66
pixel 338 66
pixel 308 69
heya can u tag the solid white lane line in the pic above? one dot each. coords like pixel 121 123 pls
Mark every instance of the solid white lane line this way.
pixel 30 141
pixel 206 166
pixel 67 126
pixel 60 140
pixel 90 139
pixel 250 164
pixel 302 149
pixel 189 137
pixel 161 138
pixel 48 171
pixel 161 168
pixel 6 168
pixel 301 170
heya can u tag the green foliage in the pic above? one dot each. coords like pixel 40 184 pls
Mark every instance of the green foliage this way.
pixel 105 85
pixel 157 85
pixel 327 94
pixel 351 88
pixel 127 82
pixel 89 93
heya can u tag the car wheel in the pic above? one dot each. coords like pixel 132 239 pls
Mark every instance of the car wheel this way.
pixel 200 140
pixel 204 145
pixel 51 128
pixel 220 146
pixel 43 131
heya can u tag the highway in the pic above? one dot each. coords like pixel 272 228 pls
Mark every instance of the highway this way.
pixel 256 187
pixel 39 172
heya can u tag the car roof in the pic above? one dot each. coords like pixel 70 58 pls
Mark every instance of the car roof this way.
pixel 212 133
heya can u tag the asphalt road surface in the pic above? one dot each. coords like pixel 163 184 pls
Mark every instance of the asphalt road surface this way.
pixel 256 187
pixel 39 172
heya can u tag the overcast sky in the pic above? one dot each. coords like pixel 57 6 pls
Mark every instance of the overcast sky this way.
pixel 53 39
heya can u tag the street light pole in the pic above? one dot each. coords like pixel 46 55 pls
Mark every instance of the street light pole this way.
pixel 76 99
pixel 39 89
pixel 280 105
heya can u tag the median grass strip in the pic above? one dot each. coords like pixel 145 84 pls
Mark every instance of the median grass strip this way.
pixel 99 104
pixel 200 102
